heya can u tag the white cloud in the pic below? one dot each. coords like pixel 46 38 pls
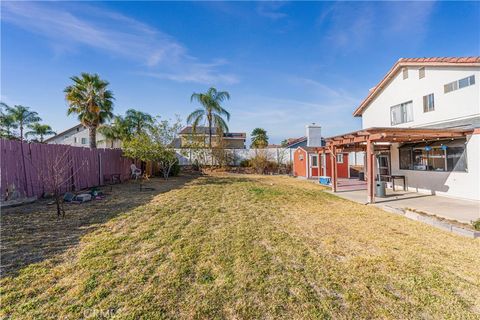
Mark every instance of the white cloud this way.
pixel 271 9
pixel 353 26
pixel 68 26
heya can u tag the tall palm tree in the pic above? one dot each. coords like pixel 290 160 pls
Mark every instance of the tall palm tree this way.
pixel 138 120
pixel 90 99
pixel 119 129
pixel 211 111
pixel 21 116
pixel 259 138
pixel 39 130
pixel 7 123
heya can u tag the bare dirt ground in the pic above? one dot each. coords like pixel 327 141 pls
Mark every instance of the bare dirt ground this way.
pixel 32 233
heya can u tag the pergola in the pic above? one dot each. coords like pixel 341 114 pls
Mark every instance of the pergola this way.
pixel 375 139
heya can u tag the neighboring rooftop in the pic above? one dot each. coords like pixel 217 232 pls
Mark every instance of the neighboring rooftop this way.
pixel 205 130
pixel 74 128
pixel 294 141
pixel 405 62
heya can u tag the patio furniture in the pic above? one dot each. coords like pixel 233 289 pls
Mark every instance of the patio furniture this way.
pixel 136 172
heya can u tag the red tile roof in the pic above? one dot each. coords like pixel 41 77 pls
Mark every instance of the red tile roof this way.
pixel 435 61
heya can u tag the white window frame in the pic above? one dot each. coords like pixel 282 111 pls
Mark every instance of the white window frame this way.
pixel 84 140
pixel 406 113
pixel 340 158
pixel 429 103
pixel 405 73
pixel 455 85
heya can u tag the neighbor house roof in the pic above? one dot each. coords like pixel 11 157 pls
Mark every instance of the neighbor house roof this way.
pixel 204 130
pixel 419 62
pixel 293 141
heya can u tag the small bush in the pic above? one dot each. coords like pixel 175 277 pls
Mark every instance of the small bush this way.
pixel 174 171
pixel 246 163
pixel 476 224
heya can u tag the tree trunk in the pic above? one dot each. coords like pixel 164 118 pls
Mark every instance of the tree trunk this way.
pixel 41 138
pixel 21 131
pixel 93 137
pixel 209 133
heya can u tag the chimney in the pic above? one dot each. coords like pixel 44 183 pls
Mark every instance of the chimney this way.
pixel 314 135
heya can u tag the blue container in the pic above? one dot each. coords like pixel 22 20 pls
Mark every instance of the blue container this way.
pixel 324 180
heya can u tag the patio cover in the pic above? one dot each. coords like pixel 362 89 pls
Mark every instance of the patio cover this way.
pixel 378 138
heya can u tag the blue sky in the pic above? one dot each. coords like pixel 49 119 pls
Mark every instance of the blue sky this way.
pixel 285 64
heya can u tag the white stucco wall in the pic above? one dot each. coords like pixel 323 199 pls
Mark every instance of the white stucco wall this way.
pixel 465 185
pixel 68 138
pixel 458 104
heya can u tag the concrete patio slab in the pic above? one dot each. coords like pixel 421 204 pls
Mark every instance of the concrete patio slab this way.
pixel 464 211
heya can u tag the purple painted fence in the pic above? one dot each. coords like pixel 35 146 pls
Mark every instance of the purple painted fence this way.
pixel 26 164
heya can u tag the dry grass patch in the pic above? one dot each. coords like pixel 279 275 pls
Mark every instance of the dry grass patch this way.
pixel 245 247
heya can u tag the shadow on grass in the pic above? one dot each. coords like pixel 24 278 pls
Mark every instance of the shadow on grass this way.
pixel 216 180
pixel 33 233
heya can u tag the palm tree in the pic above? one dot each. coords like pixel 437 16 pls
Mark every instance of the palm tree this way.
pixel 39 130
pixel 21 116
pixel 211 110
pixel 259 138
pixel 138 120
pixel 119 129
pixel 7 123
pixel 90 99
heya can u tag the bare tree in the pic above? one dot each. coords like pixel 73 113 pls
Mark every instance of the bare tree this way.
pixel 59 173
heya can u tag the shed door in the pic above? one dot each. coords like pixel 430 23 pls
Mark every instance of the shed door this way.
pixel 313 165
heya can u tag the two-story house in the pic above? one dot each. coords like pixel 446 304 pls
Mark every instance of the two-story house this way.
pixel 422 123
pixel 78 136
pixel 189 137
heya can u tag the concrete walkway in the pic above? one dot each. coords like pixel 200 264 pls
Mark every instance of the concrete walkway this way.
pixel 464 211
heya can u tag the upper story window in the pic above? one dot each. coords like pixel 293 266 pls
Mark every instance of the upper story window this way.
pixel 428 103
pixel 421 73
pixel 401 113
pixel 459 84
pixel 405 73
pixel 84 140
pixel 75 139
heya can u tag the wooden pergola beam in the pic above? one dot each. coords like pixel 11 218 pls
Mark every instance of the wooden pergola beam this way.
pixel 370 172
pixel 333 160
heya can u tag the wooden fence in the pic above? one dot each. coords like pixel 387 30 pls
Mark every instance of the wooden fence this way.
pixel 25 166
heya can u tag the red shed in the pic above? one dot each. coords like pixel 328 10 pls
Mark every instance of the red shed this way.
pixel 313 162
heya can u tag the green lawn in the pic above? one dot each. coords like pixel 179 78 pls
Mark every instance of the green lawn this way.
pixel 249 247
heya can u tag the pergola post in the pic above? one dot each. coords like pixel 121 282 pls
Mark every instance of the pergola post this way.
pixel 370 172
pixel 333 159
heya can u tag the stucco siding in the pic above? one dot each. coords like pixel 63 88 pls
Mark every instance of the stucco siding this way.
pixel 458 104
